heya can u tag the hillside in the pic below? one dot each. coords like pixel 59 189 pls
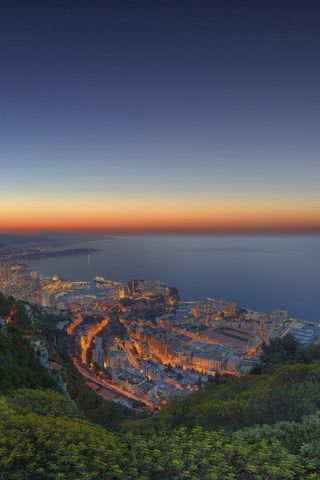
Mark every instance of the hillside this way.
pixel 285 387
pixel 18 365
pixel 263 426
pixel 43 437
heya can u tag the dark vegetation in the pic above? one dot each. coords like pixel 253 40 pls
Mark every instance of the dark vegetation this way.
pixel 95 408
pixel 18 365
pixel 263 426
pixel 285 387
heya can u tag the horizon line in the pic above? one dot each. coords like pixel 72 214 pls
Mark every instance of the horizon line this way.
pixel 158 231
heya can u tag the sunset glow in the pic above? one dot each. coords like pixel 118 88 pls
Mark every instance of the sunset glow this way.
pixel 155 124
pixel 158 214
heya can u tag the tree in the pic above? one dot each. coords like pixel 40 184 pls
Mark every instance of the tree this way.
pixel 19 316
pixel 280 350
pixel 95 368
pixel 4 306
pixel 18 365
pixel 42 402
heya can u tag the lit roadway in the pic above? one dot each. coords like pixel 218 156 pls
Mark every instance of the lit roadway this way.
pixel 87 339
pixel 77 321
pixel 85 344
pixel 111 386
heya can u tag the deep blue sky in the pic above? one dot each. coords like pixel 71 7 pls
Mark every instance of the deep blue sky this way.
pixel 217 100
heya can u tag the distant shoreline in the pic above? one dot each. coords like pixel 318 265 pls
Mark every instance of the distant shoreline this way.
pixel 52 254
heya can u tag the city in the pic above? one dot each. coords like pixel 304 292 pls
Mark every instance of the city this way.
pixel 138 344
pixel 159 240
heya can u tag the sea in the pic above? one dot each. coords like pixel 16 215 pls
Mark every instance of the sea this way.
pixel 262 272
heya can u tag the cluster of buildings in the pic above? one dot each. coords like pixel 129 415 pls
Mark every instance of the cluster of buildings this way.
pixel 146 342
pixel 158 357
pixel 139 289
pixel 17 280
pixel 51 291
pixel 146 379
pixel 306 332
pixel 206 337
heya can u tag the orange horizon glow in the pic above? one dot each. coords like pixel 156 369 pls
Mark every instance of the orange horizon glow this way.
pixel 159 215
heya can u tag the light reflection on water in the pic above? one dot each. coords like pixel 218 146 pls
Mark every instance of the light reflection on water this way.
pixel 262 272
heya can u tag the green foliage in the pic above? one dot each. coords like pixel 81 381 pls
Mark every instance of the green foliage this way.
pixel 41 402
pixel 5 409
pixel 95 408
pixel 256 427
pixel 197 454
pixel 286 350
pixel 37 447
pixel 279 351
pixel 4 305
pixel 289 393
pixel 19 316
pixel 18 366
pixel 300 438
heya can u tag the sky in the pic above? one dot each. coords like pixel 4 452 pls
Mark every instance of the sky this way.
pixel 150 115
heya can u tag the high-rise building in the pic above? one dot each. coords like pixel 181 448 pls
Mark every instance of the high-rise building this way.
pixel 98 351
pixel 132 285
pixel 45 298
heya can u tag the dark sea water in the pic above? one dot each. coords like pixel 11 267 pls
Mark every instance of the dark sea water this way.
pixel 261 272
